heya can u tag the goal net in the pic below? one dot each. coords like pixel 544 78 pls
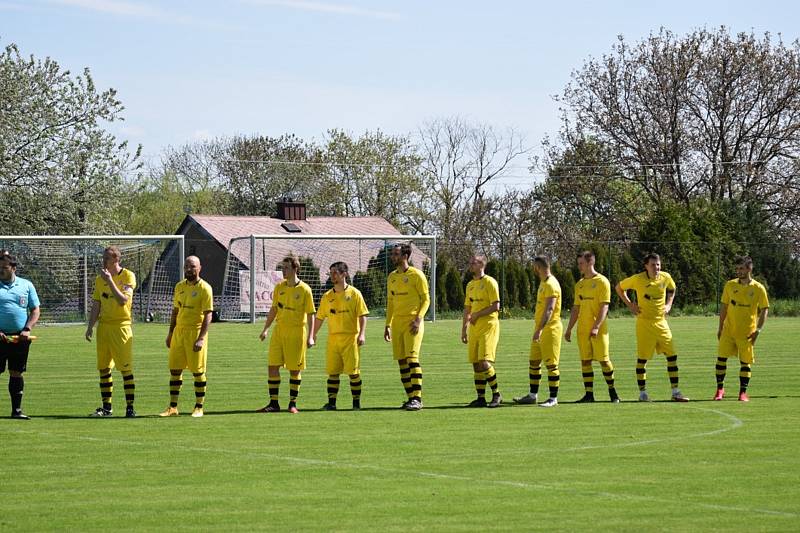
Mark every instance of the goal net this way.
pixel 63 270
pixel 253 268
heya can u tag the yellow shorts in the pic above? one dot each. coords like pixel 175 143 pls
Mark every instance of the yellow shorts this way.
pixel 548 348
pixel 404 343
pixel 287 348
pixel 181 350
pixel 730 346
pixel 653 337
pixel 114 347
pixel 342 356
pixel 482 345
pixel 593 348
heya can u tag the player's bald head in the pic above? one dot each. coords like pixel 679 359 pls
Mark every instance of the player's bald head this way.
pixel 193 260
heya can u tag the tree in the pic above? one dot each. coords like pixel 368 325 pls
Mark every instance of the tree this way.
pixel 60 171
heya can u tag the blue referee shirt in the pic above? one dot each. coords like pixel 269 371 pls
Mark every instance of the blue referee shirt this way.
pixel 16 298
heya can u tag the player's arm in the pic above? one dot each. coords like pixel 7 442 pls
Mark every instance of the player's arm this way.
pixel 549 306
pixel 33 318
pixel 362 330
pixel 762 318
pixel 120 296
pixel 600 317
pixel 465 322
pixel 93 314
pixel 668 303
pixel 488 310
pixel 311 319
pixel 723 313
pixel 201 337
pixel 273 312
pixel 387 330
pixel 573 317
pixel 172 322
pixel 623 295
pixel 424 304
pixel 318 321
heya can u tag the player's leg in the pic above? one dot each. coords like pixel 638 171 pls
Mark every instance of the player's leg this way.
pixel 17 356
pixel 176 362
pixel 197 365
pixel 534 375
pixel 608 374
pixel 295 363
pixel 105 363
pixel 351 363
pixel 400 355
pixel 413 345
pixel 478 368
pixel 726 348
pixel 333 366
pixel 587 372
pixel 489 352
pixel 124 361
pixel 275 359
pixel 551 350
pixel 645 346
pixel 295 379
pixel 746 358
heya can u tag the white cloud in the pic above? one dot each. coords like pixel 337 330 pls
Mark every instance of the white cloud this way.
pixel 132 131
pixel 324 7
pixel 201 135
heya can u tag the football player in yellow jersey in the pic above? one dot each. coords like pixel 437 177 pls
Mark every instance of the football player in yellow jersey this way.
pixel 741 318
pixel 112 301
pixel 655 292
pixel 293 311
pixel 480 330
pixel 546 342
pixel 407 301
pixel 590 311
pixel 344 306
pixel 192 306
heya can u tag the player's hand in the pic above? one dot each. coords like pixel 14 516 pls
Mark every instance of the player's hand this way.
pixel 415 325
pixel 464 336
pixel 753 336
pixel 537 335
pixel 106 275
pixel 361 339
pixel 89 334
pixel 667 309
pixel 263 335
pixel 719 333
pixel 387 334
pixel 169 339
pixel 594 332
pixel 311 342
pixel 568 335
pixel 473 320
pixel 198 345
pixel 634 307
pixel 3 337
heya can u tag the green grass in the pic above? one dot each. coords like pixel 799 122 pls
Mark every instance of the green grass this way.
pixel 660 466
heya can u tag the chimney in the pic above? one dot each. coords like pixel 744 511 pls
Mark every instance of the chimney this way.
pixel 288 209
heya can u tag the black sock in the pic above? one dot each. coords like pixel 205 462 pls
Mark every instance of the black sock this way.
pixel 15 388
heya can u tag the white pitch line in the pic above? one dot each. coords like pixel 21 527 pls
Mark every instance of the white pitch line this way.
pixel 451 477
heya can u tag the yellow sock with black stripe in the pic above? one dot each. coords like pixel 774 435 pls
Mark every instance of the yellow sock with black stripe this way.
pixel 175 382
pixel 294 388
pixel 333 389
pixel 106 388
pixel 130 387
pixel 491 379
pixel 553 379
pixel 199 389
pixel 672 369
pixel 274 386
pixel 641 374
pixel 608 373
pixel 534 375
pixel 405 377
pixel 744 377
pixel 722 369
pixel 416 378
pixel 355 387
pixel 588 375
pixel 480 384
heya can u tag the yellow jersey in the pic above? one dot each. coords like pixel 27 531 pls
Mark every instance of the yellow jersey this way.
pixel 192 301
pixel 293 304
pixel 651 294
pixel 343 309
pixel 111 312
pixel 481 293
pixel 744 304
pixel 407 294
pixel 548 288
pixel 590 294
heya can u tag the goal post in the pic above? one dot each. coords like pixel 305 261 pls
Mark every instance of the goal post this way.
pixel 251 270
pixel 63 270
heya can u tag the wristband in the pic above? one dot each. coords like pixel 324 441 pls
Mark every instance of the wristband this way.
pixel 26 328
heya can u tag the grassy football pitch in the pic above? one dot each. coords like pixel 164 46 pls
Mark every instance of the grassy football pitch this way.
pixel 661 466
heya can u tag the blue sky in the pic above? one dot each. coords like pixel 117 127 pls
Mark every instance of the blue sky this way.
pixel 189 70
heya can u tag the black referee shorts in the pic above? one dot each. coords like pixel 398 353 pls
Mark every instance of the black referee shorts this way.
pixel 16 353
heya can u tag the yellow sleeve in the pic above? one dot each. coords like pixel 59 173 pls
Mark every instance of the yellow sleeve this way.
pixel 425 294
pixel 628 283
pixel 129 284
pixel 670 283
pixel 493 293
pixel 726 294
pixel 467 303
pixel 98 291
pixel 324 308
pixel 361 305
pixel 604 292
pixel 763 300
pixel 208 299
pixel 549 291
pixel 175 297
pixel 577 299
